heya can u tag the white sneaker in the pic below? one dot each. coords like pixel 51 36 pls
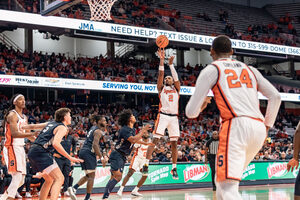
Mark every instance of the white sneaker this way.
pixel 72 193
pixel 66 193
pixel 119 193
pixel 18 196
pixel 28 195
pixel 137 194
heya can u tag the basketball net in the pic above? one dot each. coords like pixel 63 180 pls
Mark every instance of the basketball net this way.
pixel 100 9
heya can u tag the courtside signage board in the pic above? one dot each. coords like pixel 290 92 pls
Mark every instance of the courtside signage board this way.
pixel 102 27
pixel 190 173
pixel 81 84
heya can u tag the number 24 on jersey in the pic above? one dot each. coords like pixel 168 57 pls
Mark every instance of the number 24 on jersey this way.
pixel 236 82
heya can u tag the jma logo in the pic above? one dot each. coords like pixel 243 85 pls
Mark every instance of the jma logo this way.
pixel 86 26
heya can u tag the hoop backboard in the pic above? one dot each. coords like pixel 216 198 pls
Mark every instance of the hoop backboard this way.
pixel 51 7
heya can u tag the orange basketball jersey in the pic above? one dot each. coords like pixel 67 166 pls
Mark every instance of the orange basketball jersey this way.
pixel 236 90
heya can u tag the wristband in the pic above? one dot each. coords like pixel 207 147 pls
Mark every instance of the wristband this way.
pixel 161 68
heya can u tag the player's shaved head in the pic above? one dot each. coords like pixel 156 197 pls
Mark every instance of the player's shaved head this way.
pixel 222 45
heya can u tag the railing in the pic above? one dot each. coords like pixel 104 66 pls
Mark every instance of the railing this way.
pixel 126 48
pixel 279 70
pixel 8 42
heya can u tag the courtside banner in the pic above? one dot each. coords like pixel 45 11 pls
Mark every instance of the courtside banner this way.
pixel 81 84
pixel 102 27
pixel 190 173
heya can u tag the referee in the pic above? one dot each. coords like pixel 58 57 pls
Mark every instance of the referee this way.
pixel 210 155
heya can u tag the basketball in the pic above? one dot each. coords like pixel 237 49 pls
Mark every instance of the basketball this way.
pixel 162 41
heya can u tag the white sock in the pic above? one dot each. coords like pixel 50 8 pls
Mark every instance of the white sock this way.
pixel 173 166
pixel 4 196
pixel 135 189
pixel 122 188
pixel 147 162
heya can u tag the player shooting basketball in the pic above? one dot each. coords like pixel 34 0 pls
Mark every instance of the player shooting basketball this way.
pixel 168 90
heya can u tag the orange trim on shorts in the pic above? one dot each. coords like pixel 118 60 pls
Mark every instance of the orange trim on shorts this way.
pixel 12 161
pixel 257 119
pixel 222 170
pixel 156 124
pixel 133 158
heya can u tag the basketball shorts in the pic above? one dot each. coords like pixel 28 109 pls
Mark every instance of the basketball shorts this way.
pixel 15 159
pixel 117 161
pixel 164 122
pixel 297 185
pixel 137 163
pixel 90 161
pixel 240 139
pixel 40 159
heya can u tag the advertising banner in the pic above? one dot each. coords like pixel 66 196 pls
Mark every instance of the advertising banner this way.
pixel 191 173
pixel 31 81
pixel 118 29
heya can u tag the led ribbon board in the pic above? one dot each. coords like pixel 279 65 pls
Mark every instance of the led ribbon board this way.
pixel 81 84
pixel 102 27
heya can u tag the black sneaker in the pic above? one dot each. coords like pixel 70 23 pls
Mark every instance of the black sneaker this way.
pixel 174 173
pixel 145 170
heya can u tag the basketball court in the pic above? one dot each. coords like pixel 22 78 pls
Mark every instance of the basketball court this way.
pixel 260 192
pixel 94 29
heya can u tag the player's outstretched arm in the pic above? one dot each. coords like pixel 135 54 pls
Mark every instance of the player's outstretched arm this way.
pixel 294 162
pixel 136 138
pixel 174 74
pixel 60 132
pixel 34 126
pixel 160 79
pixel 12 119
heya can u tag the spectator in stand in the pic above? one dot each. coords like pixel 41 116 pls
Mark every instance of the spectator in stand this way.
pixel 283 156
pixel 181 157
pixel 289 154
pixel 206 17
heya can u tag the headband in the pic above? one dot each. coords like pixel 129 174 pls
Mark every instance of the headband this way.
pixel 15 99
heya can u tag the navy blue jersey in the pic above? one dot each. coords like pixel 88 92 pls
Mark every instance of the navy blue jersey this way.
pixel 67 143
pixel 123 145
pixel 88 143
pixel 46 136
